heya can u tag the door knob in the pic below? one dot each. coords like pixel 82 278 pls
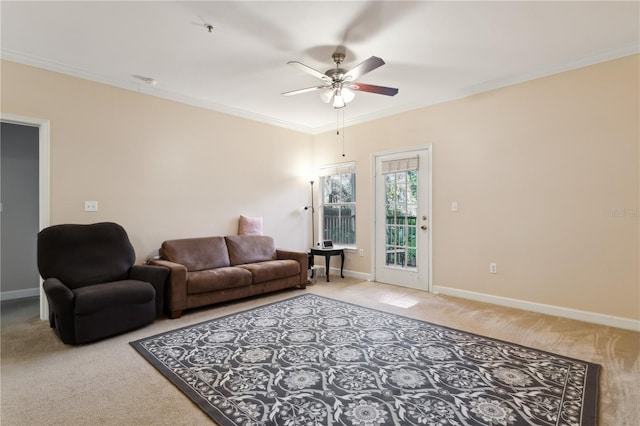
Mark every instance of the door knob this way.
pixel 423 227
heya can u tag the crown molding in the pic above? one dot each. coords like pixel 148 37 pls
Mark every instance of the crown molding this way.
pixel 189 100
pixel 489 85
pixel 137 86
pixel 582 62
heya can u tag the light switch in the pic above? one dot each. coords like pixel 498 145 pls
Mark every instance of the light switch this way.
pixel 90 206
pixel 454 206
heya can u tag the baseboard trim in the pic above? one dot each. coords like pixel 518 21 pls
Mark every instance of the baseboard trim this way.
pixel 559 311
pixel 19 294
pixel 352 274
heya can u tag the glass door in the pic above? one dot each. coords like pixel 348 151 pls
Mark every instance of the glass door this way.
pixel 402 219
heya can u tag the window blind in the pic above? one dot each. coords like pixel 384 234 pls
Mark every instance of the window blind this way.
pixel 400 165
pixel 338 169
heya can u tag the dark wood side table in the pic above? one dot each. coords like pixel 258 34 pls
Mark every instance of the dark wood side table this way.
pixel 327 253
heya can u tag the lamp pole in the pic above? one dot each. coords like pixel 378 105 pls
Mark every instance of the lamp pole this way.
pixel 313 222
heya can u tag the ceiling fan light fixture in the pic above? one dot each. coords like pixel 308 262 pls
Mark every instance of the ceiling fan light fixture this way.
pixel 338 102
pixel 347 94
pixel 326 95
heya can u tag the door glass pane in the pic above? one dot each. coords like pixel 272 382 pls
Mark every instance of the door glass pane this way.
pixel 391 236
pixel 401 203
pixel 389 257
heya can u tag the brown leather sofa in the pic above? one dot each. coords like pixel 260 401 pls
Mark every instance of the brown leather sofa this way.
pixel 209 270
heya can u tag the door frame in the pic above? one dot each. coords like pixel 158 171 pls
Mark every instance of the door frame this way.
pixel 44 149
pixel 429 183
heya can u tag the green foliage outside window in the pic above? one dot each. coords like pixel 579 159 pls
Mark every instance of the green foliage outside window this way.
pixel 339 209
pixel 401 222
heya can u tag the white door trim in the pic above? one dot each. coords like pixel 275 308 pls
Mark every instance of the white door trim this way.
pixel 372 249
pixel 44 148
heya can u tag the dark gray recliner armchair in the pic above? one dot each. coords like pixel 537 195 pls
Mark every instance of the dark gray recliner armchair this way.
pixel 93 288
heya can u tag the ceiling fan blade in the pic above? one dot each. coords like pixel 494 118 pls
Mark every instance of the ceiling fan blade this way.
pixel 309 70
pixel 361 69
pixel 305 90
pixel 371 88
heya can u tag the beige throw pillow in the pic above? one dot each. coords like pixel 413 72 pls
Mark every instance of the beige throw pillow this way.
pixel 250 225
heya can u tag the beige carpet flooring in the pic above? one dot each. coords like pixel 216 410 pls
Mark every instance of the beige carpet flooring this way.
pixel 44 382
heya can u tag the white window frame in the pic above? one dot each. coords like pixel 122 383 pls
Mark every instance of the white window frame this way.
pixel 334 170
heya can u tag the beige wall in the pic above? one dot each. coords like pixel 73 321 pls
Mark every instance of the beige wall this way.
pixel 545 174
pixel 162 169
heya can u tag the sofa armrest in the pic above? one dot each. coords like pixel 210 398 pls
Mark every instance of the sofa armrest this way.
pixel 299 257
pixel 61 302
pixel 176 290
pixel 157 277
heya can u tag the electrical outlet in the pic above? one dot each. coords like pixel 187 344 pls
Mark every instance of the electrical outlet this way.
pixel 361 252
pixel 90 206
pixel 493 268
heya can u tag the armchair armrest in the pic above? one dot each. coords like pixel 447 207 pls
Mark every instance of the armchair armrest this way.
pixel 299 257
pixel 61 301
pixel 157 276
pixel 176 289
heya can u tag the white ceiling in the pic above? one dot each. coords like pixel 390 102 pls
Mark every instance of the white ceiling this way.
pixel 434 51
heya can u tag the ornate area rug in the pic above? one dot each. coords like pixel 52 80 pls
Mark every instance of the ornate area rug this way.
pixel 310 360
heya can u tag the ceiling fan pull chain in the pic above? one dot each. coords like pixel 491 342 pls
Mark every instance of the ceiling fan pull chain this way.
pixel 343 132
pixel 337 122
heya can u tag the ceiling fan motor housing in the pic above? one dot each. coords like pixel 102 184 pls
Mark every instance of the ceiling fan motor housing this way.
pixel 336 74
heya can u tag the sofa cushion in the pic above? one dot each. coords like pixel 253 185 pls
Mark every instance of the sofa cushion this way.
pixel 196 254
pixel 217 279
pixel 250 249
pixel 94 298
pixel 272 270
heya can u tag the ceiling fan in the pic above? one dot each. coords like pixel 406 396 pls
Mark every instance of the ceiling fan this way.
pixel 339 84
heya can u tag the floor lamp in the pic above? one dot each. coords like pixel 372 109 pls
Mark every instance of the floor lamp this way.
pixel 313 210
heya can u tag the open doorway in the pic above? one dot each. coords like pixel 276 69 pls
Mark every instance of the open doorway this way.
pixel 43 182
pixel 19 218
